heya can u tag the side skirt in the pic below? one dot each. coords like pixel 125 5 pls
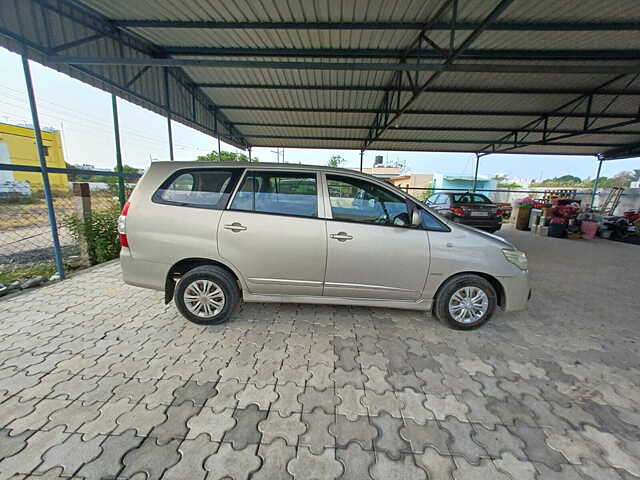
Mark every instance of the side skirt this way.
pixel 359 302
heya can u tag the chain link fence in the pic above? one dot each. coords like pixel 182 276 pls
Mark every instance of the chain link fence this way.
pixel 26 242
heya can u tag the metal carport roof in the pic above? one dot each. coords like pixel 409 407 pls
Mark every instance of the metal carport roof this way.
pixel 482 76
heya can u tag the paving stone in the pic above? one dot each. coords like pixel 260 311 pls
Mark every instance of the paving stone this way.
pixel 195 392
pixel 229 462
pixel 448 405
pixel 520 469
pixel 71 454
pixel 376 380
pixel 438 467
pixel 104 391
pixel 135 390
pixel 485 469
pixel 287 402
pixel 288 428
pixel 388 439
pixel 511 411
pixel 192 457
pixel 377 403
pixel 74 387
pixel 30 457
pixel 565 472
pixel 175 426
pixel 535 447
pixel 11 443
pixel 499 440
pixel 359 431
pixel 356 462
pixel 592 471
pixel 347 359
pixel 245 431
pixel 350 404
pixel 141 418
pixel 275 458
pixel 573 446
pixel 320 376
pixel 307 465
pixel 212 424
pixel 403 468
pixel 614 454
pixel 316 436
pixel 298 375
pixel 475 365
pixel 401 381
pixel 252 394
pixel 225 397
pixel 109 462
pixel 342 378
pixel 461 442
pixel 73 415
pixel 150 459
pixel 490 386
pixel 38 417
pixel 422 437
pixel 413 406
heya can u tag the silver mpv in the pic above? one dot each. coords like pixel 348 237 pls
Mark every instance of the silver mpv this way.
pixel 210 234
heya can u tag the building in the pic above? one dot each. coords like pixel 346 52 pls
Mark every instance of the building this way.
pixel 464 183
pixel 413 181
pixel 18 147
pixel 381 171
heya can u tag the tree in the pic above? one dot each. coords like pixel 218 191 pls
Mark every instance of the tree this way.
pixel 336 161
pixel 225 157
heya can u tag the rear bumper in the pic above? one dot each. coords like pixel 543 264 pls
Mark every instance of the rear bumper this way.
pixel 516 292
pixel 142 274
pixel 483 223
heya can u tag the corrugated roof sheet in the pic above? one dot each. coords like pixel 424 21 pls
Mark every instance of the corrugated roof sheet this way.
pixel 353 47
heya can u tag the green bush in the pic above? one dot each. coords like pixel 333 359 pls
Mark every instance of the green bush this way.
pixel 101 231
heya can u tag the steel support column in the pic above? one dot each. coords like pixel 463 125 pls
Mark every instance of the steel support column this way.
pixel 168 106
pixel 57 252
pixel 116 132
pixel 249 148
pixel 361 155
pixel 215 128
pixel 595 183
pixel 475 175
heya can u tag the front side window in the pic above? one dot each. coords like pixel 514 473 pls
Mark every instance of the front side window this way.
pixel 470 198
pixel 355 200
pixel 284 193
pixel 197 188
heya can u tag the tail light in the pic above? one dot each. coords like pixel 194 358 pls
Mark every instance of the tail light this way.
pixel 457 211
pixel 499 212
pixel 122 226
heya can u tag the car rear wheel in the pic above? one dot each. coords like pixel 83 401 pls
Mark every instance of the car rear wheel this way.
pixel 465 302
pixel 207 295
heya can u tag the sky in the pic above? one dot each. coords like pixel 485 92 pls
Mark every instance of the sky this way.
pixel 83 114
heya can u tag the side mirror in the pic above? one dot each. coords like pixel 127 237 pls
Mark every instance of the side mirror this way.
pixel 416 218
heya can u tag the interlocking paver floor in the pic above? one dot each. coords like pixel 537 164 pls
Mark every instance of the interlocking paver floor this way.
pixel 101 380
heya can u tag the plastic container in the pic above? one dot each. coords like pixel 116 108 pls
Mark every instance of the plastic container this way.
pixel 589 229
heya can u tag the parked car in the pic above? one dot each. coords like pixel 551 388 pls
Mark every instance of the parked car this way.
pixel 467 208
pixel 209 235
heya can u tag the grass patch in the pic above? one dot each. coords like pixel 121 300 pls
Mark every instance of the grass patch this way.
pixel 20 273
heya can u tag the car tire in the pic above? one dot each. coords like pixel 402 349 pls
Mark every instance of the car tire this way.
pixel 214 285
pixel 478 288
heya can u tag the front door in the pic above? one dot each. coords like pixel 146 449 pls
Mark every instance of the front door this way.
pixel 272 234
pixel 372 251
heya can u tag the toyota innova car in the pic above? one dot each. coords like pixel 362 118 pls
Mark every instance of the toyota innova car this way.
pixel 209 235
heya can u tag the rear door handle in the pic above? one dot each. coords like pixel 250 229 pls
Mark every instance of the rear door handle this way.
pixel 341 236
pixel 235 227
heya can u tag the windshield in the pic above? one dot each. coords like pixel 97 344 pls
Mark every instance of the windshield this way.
pixel 470 198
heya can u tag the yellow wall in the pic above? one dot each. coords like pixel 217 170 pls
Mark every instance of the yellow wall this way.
pixel 21 145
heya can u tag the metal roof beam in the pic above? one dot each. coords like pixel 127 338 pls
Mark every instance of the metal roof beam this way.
pixel 425 54
pixel 420 140
pixel 375 88
pixel 501 26
pixel 619 153
pixel 603 68
pixel 433 129
pixel 384 118
pixel 485 113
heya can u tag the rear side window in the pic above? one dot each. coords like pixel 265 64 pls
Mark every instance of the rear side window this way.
pixel 198 188
pixel 470 198
pixel 284 193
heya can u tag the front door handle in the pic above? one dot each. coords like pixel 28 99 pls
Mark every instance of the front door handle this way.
pixel 235 227
pixel 341 236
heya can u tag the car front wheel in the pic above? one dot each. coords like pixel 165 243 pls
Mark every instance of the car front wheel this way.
pixel 206 295
pixel 465 302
